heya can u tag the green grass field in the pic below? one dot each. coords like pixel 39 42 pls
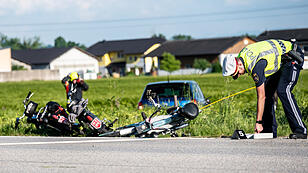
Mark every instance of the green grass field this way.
pixel 111 98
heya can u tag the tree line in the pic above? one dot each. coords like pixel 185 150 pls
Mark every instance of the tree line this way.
pixel 34 43
pixel 169 63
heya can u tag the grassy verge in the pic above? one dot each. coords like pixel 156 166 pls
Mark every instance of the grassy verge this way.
pixel 110 98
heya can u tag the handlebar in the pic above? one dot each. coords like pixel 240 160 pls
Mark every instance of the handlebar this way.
pixel 30 94
pixel 158 108
pixel 111 124
pixel 25 102
pixel 156 105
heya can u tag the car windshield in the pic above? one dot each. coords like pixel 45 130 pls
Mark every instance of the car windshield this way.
pixel 169 90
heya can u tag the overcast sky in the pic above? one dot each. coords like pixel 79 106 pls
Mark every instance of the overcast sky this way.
pixel 90 21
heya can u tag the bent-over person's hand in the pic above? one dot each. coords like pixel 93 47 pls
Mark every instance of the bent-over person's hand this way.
pixel 258 128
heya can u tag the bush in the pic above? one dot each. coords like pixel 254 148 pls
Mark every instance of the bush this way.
pixel 18 67
pixel 169 63
pixel 201 64
pixel 216 67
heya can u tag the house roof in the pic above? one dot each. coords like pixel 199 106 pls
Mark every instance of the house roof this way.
pixel 134 46
pixel 298 34
pixel 38 56
pixel 196 47
pixel 41 56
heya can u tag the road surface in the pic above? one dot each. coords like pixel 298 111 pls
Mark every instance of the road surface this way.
pixel 75 154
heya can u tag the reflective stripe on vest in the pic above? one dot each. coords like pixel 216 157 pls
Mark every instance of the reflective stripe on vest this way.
pixel 248 55
pixel 269 72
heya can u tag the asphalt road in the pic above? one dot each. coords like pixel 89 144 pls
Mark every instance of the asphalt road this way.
pixel 57 154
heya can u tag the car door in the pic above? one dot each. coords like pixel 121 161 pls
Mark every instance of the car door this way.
pixel 197 94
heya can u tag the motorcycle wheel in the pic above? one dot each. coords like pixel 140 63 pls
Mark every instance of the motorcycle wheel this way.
pixel 110 134
pixel 174 135
pixel 154 135
pixel 141 136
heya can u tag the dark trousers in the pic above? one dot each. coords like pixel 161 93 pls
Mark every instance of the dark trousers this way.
pixel 283 82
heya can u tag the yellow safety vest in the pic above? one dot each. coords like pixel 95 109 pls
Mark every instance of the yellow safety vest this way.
pixel 270 50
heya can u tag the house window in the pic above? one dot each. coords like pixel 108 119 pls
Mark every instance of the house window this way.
pixel 188 66
pixel 120 55
pixel 130 58
pixel 135 58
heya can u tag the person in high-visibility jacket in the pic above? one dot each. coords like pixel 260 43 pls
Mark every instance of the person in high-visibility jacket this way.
pixel 74 86
pixel 274 65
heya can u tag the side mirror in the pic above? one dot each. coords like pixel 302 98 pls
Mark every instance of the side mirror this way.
pixel 28 97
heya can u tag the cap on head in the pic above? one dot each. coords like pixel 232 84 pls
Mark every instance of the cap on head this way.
pixel 230 67
pixel 74 76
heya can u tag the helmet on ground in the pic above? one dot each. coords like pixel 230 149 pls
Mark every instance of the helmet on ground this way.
pixel 74 76
pixel 230 67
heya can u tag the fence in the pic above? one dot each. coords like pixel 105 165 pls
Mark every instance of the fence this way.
pixel 184 72
pixel 27 75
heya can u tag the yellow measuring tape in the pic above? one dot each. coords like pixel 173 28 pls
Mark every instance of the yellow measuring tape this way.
pixel 228 97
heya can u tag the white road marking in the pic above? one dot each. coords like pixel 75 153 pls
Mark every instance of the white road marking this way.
pixel 75 142
pixel 102 140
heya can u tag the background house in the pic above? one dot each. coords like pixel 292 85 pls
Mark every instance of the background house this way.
pixel 214 49
pixel 65 60
pixel 119 56
pixel 301 36
pixel 5 60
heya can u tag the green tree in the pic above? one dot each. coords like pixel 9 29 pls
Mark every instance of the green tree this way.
pixel 13 43
pixel 31 43
pixel 60 42
pixel 169 63
pixel 201 64
pixel 250 35
pixel 3 39
pixel 182 37
pixel 16 44
pixel 72 44
pixel 216 67
pixel 159 36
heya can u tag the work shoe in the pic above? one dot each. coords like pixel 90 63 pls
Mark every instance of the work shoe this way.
pixel 298 136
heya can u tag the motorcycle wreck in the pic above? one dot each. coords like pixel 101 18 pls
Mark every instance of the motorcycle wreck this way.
pixel 53 119
pixel 153 126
